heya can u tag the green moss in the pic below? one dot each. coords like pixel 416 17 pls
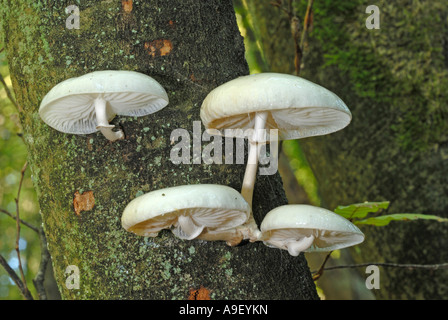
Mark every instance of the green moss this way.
pixel 398 65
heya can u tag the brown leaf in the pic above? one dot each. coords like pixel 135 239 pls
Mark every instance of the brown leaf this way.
pixel 83 202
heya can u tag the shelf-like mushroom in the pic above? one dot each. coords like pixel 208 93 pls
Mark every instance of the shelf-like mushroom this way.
pixel 296 107
pixel 86 104
pixel 189 211
pixel 305 228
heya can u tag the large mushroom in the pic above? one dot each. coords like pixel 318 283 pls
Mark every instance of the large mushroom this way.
pixel 305 228
pixel 189 211
pixel 86 104
pixel 296 107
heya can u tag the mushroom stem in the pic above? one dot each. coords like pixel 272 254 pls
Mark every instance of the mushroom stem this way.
pixel 103 123
pixel 189 230
pixel 252 160
pixel 250 174
pixel 250 228
pixel 295 247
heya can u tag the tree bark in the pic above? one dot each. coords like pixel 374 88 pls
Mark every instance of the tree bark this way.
pixel 394 80
pixel 190 47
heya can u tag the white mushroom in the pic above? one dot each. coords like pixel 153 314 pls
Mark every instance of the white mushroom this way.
pixel 189 211
pixel 305 228
pixel 86 104
pixel 296 107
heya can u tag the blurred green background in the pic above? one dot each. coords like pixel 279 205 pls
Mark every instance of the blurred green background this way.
pixel 13 156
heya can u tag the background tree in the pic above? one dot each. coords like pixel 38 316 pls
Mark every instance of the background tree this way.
pixel 190 47
pixel 394 80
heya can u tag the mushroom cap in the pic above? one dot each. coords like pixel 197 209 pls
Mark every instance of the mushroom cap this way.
pixel 211 206
pixel 296 221
pixel 298 108
pixel 69 106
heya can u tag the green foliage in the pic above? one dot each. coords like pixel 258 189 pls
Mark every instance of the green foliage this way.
pixel 358 213
pixel 360 210
pixel 384 220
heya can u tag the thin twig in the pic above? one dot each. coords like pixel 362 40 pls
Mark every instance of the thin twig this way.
pixel 290 9
pixel 391 265
pixel 319 273
pixel 306 23
pixel 294 25
pixel 18 229
pixel 279 5
pixel 8 92
pixel 298 35
pixel 300 46
pixel 44 259
pixel 22 288
pixel 38 281
pixel 295 30
pixel 11 98
pixel 29 225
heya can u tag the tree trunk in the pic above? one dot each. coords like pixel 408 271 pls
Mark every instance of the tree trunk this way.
pixel 394 80
pixel 190 47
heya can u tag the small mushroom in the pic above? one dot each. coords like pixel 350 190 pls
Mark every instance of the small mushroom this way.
pixel 305 228
pixel 190 211
pixel 86 104
pixel 296 107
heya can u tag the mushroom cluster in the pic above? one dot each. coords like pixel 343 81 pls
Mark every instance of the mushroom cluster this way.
pixel 291 106
pixel 295 107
